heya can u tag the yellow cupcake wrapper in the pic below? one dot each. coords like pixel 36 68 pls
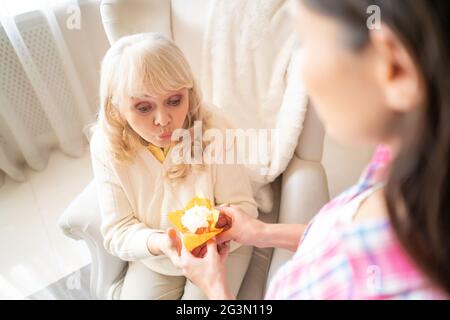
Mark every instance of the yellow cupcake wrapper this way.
pixel 193 240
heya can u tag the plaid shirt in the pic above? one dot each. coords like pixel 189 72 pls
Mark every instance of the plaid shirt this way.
pixel 340 259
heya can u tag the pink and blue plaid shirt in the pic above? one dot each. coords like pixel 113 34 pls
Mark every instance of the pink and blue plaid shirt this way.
pixel 341 259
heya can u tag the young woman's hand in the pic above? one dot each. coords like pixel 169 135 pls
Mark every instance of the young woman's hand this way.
pixel 208 272
pixel 238 225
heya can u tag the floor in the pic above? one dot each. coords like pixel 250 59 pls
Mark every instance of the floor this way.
pixel 74 286
pixel 34 252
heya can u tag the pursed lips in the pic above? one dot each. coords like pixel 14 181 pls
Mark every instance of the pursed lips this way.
pixel 165 135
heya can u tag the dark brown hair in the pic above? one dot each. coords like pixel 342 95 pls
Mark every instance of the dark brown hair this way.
pixel 418 189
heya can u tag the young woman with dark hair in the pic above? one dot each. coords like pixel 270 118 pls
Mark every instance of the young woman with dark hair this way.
pixel 388 237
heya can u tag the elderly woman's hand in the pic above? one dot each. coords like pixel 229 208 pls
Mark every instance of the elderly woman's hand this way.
pixel 208 272
pixel 166 243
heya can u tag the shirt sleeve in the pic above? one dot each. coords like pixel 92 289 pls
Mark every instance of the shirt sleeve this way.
pixel 124 235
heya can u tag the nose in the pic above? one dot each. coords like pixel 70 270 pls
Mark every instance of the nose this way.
pixel 162 117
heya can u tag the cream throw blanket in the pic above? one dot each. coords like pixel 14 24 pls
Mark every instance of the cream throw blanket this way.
pixel 250 72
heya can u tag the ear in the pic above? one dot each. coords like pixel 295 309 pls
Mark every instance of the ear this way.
pixel 399 78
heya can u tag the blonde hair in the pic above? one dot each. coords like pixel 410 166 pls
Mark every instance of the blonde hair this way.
pixel 144 63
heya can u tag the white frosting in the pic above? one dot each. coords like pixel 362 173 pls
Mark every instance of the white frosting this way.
pixel 196 217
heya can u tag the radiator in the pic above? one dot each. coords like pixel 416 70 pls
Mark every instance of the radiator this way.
pixel 26 133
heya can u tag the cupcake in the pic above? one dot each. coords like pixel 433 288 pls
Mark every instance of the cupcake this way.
pixel 196 222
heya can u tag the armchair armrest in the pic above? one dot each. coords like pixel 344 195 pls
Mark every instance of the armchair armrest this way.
pixel 304 191
pixel 81 221
pixel 304 187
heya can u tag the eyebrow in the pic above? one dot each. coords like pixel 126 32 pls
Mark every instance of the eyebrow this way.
pixel 140 96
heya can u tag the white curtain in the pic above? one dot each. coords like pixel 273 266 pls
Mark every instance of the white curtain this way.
pixel 42 103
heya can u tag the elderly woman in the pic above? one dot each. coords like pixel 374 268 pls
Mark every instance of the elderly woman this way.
pixel 147 93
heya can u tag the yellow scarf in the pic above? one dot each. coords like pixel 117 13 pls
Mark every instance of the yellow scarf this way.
pixel 159 153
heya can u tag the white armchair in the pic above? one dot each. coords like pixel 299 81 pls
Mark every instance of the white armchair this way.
pixel 299 193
